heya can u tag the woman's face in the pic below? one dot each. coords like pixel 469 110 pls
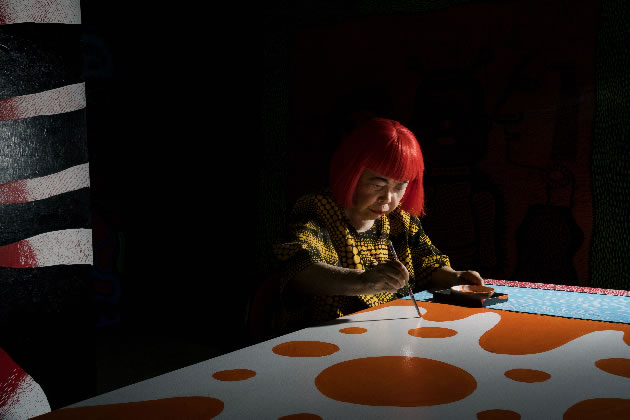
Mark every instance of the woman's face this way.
pixel 375 196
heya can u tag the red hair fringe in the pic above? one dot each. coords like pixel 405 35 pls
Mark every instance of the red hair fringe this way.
pixel 383 146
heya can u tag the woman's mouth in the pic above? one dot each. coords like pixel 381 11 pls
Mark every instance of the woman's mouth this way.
pixel 379 212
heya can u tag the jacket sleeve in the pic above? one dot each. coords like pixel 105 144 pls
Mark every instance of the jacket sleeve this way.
pixel 306 242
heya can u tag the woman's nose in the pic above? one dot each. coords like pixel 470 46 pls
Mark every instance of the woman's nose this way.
pixel 385 197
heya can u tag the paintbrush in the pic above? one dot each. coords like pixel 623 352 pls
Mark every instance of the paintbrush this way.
pixel 413 299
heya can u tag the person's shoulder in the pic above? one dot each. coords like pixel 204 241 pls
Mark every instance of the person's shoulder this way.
pixel 319 204
pixel 315 200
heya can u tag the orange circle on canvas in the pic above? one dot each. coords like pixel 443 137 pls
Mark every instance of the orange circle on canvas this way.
pixel 305 349
pixel 599 408
pixel 498 415
pixel 395 381
pixel 194 408
pixel 234 375
pixel 527 375
pixel 353 330
pixel 616 366
pixel 432 332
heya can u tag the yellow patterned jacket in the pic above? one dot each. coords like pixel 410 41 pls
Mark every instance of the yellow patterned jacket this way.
pixel 320 232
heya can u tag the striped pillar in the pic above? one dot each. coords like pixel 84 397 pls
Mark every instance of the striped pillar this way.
pixel 45 229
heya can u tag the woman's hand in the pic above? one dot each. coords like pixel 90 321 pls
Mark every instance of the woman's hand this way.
pixel 385 277
pixel 445 277
pixel 469 277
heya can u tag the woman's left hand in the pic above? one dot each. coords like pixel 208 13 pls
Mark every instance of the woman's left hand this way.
pixel 469 277
pixel 445 277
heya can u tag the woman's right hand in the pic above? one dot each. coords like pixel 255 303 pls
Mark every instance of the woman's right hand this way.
pixel 389 276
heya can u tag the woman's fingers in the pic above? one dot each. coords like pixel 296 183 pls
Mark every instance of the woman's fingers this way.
pixel 471 277
pixel 386 277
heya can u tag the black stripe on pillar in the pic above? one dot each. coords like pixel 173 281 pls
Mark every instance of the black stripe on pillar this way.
pixel 39 146
pixel 35 57
pixel 69 210
pixel 56 292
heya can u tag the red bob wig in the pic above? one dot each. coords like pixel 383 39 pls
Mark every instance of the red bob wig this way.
pixel 383 146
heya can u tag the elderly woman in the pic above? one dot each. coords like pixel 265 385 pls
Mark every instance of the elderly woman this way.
pixel 335 260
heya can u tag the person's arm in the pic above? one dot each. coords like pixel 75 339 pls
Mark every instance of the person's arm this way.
pixel 326 279
pixel 432 265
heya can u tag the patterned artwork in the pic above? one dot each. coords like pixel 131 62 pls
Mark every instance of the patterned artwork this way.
pixel 386 362
pixel 592 304
pixel 44 182
pixel 45 231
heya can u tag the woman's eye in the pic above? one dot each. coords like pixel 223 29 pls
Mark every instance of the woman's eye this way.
pixel 377 186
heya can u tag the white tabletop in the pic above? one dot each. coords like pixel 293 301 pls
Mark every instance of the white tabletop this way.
pixel 454 363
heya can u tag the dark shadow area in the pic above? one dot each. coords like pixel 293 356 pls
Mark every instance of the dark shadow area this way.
pixel 172 117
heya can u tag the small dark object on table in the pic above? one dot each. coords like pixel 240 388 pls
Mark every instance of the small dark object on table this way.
pixel 447 296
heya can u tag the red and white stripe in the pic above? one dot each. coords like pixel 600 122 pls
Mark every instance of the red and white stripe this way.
pixel 25 190
pixel 50 102
pixel 40 11
pixel 20 396
pixel 564 288
pixel 61 247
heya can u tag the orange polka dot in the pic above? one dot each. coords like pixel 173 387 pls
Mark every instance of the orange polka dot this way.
pixel 498 415
pixel 234 375
pixel 527 375
pixel 395 381
pixel 599 408
pixel 353 330
pixel 194 408
pixel 616 366
pixel 301 416
pixel 305 349
pixel 432 332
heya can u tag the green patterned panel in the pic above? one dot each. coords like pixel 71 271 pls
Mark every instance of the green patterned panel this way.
pixel 611 149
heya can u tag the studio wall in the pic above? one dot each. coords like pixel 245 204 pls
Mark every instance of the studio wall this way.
pixel 504 109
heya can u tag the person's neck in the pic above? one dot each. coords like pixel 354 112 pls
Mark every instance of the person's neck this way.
pixel 359 224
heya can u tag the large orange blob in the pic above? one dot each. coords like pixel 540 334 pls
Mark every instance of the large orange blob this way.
pixel 234 375
pixel 498 415
pixel 432 332
pixel 616 366
pixel 395 381
pixel 599 408
pixel 193 408
pixel 305 349
pixel 518 333
pixel 527 375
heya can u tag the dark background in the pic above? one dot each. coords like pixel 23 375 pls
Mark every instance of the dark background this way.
pixel 173 103
pixel 172 127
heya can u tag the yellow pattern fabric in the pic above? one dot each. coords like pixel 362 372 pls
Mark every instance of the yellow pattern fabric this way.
pixel 320 232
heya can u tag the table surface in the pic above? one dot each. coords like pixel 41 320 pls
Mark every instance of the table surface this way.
pixel 386 362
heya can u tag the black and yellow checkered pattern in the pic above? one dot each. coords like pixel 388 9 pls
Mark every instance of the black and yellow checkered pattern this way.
pixel 320 232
